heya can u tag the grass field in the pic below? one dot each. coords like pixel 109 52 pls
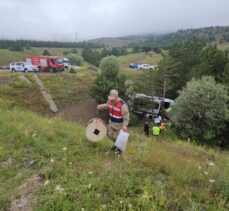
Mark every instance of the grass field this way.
pixel 65 88
pixel 134 74
pixel 25 95
pixel 48 163
pixel 69 88
pixel 223 46
pixel 149 58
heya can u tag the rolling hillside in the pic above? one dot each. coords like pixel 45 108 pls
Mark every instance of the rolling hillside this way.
pixel 110 42
pixel 46 162
pixel 217 34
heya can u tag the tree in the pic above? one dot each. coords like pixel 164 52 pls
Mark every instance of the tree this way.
pixel 16 47
pixel 163 79
pixel 136 49
pixel 146 49
pixel 74 51
pixel 105 52
pixel 145 83
pixel 110 78
pixel 90 56
pixel 213 61
pixel 225 75
pixel 165 84
pixel 201 110
pixel 115 52
pixel 123 51
pixel 46 53
pixel 28 47
pixel 157 50
pixel 182 57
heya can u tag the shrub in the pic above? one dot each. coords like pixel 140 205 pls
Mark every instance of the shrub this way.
pixel 201 110
pixel 83 68
pixel 75 59
pixel 46 53
pixel 72 70
pixel 65 53
pixel 133 119
pixel 74 51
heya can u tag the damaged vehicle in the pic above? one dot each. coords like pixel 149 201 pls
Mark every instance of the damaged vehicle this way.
pixel 143 104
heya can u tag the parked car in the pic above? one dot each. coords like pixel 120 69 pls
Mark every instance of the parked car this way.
pixel 23 67
pixel 134 65
pixel 146 67
pixel 67 63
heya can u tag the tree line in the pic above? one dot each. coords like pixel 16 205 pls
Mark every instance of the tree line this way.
pixel 19 45
pixel 94 56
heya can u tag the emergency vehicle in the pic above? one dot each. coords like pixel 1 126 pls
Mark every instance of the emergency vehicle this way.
pixel 47 63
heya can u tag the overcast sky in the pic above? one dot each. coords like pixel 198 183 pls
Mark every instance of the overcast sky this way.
pixel 87 19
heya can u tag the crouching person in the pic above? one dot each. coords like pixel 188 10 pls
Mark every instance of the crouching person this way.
pixel 118 117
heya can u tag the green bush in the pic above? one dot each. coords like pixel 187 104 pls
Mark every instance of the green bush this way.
pixel 201 110
pixel 46 53
pixel 75 59
pixel 83 68
pixel 133 119
pixel 72 70
pixel 74 51
pixel 65 53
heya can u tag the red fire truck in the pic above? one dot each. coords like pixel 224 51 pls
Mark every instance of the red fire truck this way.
pixel 47 63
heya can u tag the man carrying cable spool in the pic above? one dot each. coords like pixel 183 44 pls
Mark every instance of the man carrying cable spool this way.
pixel 118 116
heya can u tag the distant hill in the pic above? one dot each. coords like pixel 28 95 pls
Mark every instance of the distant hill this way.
pixel 110 42
pixel 218 34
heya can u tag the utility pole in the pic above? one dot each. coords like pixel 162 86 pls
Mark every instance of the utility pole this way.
pixel 76 37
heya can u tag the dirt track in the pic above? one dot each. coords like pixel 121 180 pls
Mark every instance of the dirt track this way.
pixel 82 112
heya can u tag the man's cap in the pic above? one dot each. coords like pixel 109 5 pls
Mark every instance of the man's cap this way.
pixel 113 94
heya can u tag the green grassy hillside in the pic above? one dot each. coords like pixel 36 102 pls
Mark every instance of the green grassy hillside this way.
pixel 223 46
pixel 65 88
pixel 150 58
pixel 50 162
pixel 143 58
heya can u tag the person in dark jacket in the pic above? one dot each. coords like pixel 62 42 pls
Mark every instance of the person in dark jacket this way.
pixel 146 128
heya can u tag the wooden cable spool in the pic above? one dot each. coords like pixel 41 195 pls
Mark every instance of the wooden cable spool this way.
pixel 96 130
